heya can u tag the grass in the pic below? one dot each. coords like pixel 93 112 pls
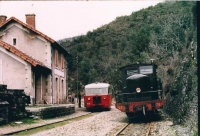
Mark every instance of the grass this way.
pixel 27 121
pixel 196 130
pixel 172 130
pixel 30 121
pixel 50 126
pixel 196 133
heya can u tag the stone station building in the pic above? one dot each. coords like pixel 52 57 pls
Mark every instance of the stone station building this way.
pixel 32 61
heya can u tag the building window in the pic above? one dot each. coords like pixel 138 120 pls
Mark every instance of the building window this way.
pixel 62 62
pixel 56 58
pixel 14 41
pixel 62 87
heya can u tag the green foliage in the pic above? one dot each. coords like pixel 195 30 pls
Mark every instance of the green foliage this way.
pixel 157 32
pixel 70 62
pixel 84 68
pixel 75 84
pixel 28 121
pixel 145 14
pixel 195 130
pixel 170 71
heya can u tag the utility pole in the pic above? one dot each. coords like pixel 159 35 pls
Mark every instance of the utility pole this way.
pixel 77 77
pixel 198 45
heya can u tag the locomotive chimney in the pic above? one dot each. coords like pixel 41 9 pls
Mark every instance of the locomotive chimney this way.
pixel 30 19
pixel 152 61
pixel 2 19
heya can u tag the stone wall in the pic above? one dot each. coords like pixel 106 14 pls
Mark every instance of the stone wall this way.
pixel 182 99
pixel 12 104
pixel 52 111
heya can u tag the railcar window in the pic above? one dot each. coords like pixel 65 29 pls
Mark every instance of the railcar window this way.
pixel 87 91
pixel 104 90
pixel 93 91
pixel 146 69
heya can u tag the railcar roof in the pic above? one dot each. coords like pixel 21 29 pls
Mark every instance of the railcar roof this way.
pixel 137 76
pixel 97 85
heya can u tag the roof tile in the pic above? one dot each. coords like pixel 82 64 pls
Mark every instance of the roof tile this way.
pixel 31 28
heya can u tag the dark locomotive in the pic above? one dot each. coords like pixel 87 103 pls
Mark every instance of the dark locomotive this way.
pixel 140 90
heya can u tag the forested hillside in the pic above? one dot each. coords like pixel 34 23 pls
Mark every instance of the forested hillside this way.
pixel 165 33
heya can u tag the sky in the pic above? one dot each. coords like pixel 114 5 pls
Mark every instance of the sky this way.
pixel 65 19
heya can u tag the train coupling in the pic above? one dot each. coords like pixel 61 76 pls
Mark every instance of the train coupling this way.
pixel 140 108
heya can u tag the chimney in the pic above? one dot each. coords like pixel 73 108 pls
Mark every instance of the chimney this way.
pixel 30 19
pixel 2 19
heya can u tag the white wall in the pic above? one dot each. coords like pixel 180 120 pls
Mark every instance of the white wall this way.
pixel 60 74
pixel 20 71
pixel 15 72
pixel 28 42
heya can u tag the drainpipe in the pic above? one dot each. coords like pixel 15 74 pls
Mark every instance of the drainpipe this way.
pixel 52 89
pixel 41 89
pixel 66 84
pixel 52 81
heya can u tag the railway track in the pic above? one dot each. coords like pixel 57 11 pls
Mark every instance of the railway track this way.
pixel 116 131
pixel 49 125
pixel 150 129
pixel 123 128
pixel 130 129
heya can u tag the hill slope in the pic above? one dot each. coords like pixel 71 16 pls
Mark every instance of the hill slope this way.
pixel 165 33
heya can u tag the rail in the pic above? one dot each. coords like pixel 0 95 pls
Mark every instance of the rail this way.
pixel 147 129
pixel 57 123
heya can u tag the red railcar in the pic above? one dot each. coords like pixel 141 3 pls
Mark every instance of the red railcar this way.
pixel 97 95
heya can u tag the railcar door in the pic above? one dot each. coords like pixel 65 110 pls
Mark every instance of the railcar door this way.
pixel 96 100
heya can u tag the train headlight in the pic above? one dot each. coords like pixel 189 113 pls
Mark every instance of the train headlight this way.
pixel 104 98
pixel 88 98
pixel 138 90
